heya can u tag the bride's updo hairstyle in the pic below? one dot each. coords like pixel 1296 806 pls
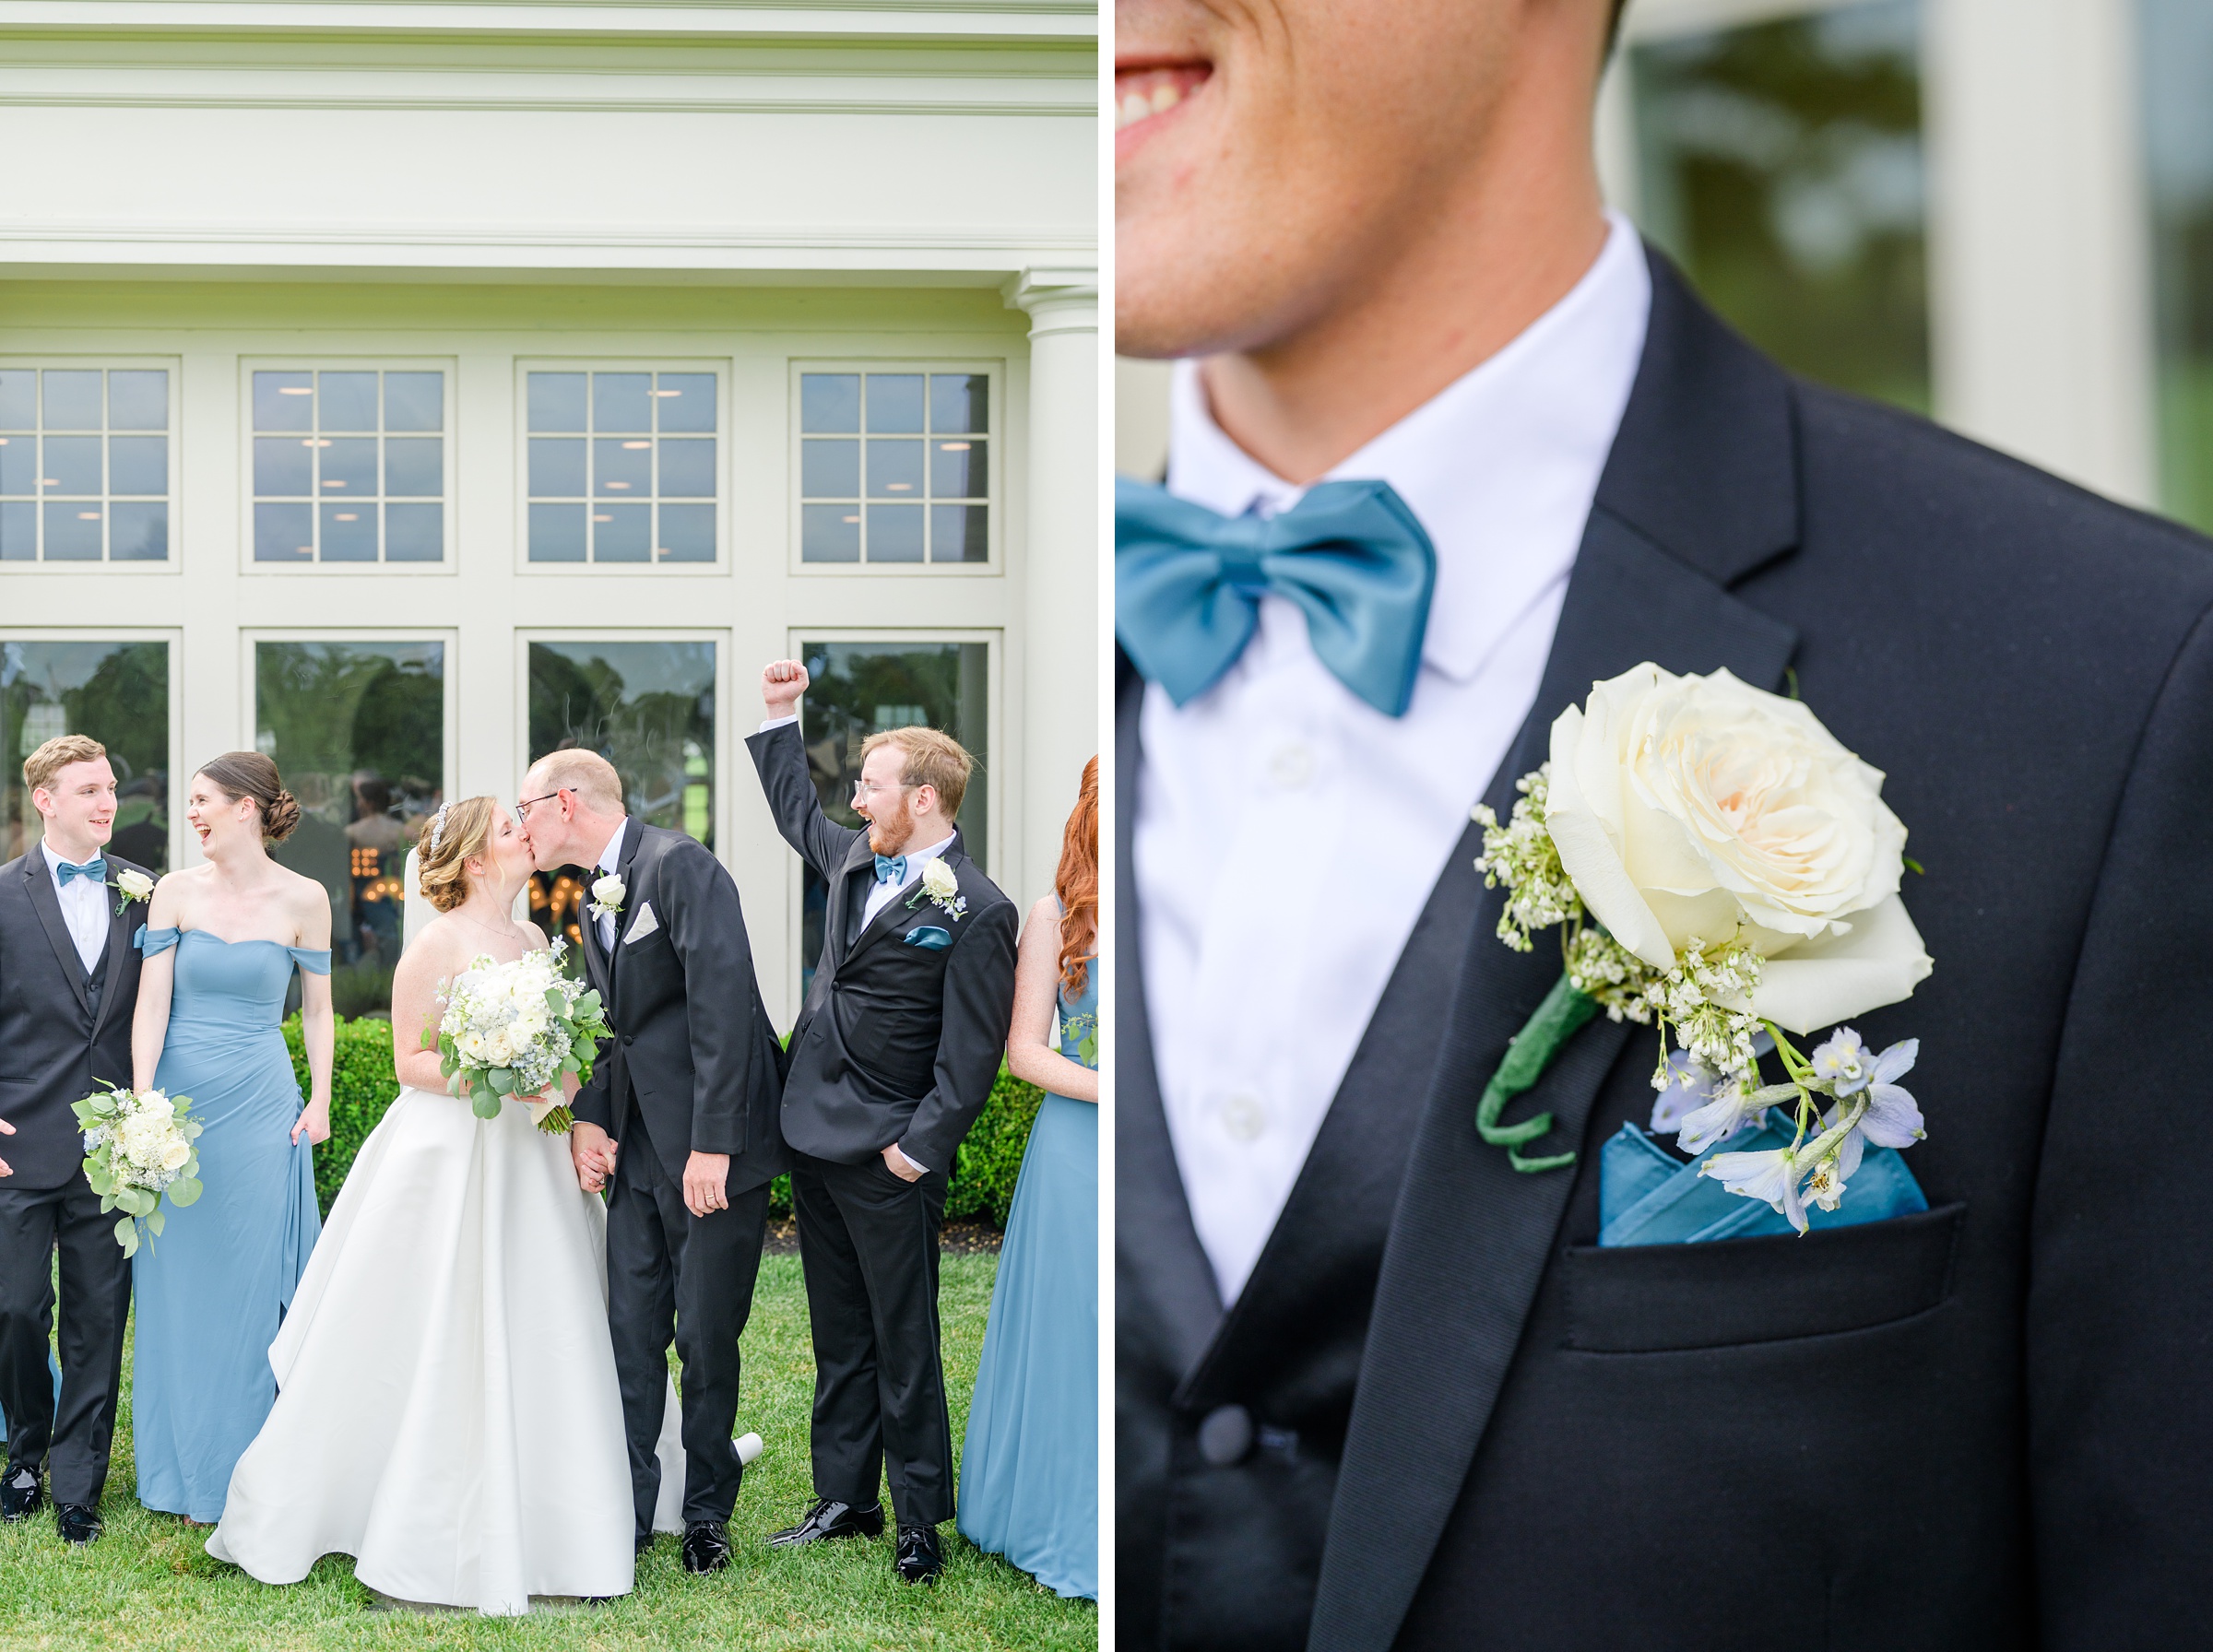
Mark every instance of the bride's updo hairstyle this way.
pixel 448 840
pixel 249 774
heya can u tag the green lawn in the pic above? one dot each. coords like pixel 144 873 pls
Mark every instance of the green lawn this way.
pixel 147 1583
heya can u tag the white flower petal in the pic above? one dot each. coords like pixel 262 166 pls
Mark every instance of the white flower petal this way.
pixel 1817 982
pixel 1589 854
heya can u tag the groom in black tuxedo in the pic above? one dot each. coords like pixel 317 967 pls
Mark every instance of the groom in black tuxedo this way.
pixel 680 1119
pixel 893 1056
pixel 68 982
pixel 1396 1395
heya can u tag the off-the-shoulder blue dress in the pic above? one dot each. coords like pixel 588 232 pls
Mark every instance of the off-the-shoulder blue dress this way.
pixel 1030 1468
pixel 210 1292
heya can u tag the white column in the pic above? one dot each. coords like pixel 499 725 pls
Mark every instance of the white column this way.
pixel 1059 660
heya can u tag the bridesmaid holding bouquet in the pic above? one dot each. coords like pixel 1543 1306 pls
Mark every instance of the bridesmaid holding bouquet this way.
pixel 1030 1470
pixel 221 942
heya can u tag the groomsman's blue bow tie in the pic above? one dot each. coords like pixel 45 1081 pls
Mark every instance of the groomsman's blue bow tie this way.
pixel 96 869
pixel 891 868
pixel 1188 584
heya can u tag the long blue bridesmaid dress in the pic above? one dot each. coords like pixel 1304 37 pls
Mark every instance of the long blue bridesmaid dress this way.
pixel 211 1290
pixel 1030 1468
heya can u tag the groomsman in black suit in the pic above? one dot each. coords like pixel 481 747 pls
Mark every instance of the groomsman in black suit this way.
pixel 68 983
pixel 1377 1389
pixel 893 1055
pixel 680 1119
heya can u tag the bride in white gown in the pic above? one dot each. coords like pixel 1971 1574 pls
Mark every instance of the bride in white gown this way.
pixel 447 1413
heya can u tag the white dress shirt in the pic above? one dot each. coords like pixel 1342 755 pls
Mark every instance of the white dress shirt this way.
pixel 84 908
pixel 1288 834
pixel 609 858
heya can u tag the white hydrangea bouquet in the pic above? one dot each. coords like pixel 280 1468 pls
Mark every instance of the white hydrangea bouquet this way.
pixel 1718 865
pixel 138 1146
pixel 516 1029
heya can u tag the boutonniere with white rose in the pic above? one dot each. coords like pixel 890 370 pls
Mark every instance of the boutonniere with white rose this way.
pixel 1720 866
pixel 607 895
pixel 942 888
pixel 131 886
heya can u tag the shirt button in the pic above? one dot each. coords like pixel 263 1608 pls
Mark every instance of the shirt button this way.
pixel 1244 1117
pixel 1291 766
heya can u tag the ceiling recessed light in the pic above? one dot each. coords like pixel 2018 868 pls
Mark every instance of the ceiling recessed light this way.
pixel 295 389
pixel 602 518
pixel 952 447
pixel 87 515
pixel 667 393
pixel 897 487
pixel 614 484
pixel 848 519
pixel 347 516
pixel 635 444
pixel 334 483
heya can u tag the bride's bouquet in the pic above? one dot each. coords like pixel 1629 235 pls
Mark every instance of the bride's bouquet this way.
pixel 137 1147
pixel 516 1030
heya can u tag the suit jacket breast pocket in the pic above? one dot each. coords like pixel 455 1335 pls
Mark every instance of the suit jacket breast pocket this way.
pixel 1656 1298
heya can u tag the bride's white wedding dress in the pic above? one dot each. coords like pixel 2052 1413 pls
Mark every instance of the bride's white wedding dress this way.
pixel 446 1410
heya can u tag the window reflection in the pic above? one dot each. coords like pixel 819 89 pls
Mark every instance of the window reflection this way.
pixel 69 490
pixel 648 708
pixel 617 425
pixel 1781 164
pixel 358 731
pixel 938 452
pixel 116 693
pixel 2177 39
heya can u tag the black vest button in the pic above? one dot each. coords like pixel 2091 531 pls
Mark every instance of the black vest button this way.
pixel 1225 1435
pixel 625 1038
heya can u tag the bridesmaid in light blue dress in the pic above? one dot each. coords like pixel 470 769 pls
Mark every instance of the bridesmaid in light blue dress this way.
pixel 221 942
pixel 1030 1468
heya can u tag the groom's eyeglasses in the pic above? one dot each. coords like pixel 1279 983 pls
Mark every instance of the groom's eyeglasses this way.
pixel 865 789
pixel 522 810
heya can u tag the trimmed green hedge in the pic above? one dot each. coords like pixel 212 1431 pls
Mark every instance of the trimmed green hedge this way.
pixel 362 1086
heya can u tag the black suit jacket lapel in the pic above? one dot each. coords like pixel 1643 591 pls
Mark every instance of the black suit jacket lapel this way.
pixel 906 905
pixel 1699 490
pixel 38 883
pixel 634 836
pixel 1165 1286
pixel 120 929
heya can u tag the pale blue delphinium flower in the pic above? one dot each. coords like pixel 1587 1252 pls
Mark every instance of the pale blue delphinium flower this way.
pixel 1772 1175
pixel 1708 1107
pixel 1893 1117
pixel 1842 1060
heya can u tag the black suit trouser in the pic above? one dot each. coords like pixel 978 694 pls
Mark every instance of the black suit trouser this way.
pixel 72 1438
pixel 868 1246
pixel 674 1276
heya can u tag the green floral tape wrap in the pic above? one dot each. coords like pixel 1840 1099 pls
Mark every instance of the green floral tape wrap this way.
pixel 1557 1018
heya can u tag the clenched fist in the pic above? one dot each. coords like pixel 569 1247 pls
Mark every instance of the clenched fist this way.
pixel 782 683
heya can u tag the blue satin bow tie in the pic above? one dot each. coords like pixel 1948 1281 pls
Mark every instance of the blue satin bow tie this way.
pixel 1188 584
pixel 96 869
pixel 891 868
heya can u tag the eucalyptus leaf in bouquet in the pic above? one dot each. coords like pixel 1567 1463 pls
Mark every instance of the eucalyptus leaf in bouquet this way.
pixel 139 1147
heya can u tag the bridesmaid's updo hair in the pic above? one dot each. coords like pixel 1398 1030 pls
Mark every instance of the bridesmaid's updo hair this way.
pixel 446 841
pixel 249 774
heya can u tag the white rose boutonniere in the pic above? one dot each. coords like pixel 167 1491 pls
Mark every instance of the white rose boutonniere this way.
pixel 132 886
pixel 942 886
pixel 1721 864
pixel 607 894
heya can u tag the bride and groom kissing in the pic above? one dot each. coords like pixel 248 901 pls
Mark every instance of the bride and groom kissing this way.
pixel 471 1394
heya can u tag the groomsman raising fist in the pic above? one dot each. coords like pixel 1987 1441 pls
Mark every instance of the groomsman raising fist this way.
pixel 893 1056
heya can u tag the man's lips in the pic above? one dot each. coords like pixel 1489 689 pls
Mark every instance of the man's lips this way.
pixel 1145 93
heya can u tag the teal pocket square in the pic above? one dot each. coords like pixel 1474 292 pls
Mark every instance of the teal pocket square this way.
pixel 930 937
pixel 1647 1195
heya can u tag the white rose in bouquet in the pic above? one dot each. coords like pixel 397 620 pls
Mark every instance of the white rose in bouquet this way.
pixel 137 1148
pixel 1700 808
pixel 519 1029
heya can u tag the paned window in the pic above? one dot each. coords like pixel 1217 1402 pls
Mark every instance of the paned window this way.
pixel 856 689
pixel 115 692
pixel 648 707
pixel 894 468
pixel 85 464
pixel 622 467
pixel 350 465
pixel 358 731
pixel 1781 163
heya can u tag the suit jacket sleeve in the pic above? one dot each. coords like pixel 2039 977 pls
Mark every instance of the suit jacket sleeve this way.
pixel 780 757
pixel 979 1005
pixel 706 931
pixel 595 1102
pixel 2122 1234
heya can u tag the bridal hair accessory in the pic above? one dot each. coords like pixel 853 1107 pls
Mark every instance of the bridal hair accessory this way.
pixel 1764 901
pixel 438 826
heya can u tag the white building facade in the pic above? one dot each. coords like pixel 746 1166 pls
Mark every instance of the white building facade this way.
pixel 407 389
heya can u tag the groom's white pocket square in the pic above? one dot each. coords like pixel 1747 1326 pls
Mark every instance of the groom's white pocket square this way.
pixel 645 924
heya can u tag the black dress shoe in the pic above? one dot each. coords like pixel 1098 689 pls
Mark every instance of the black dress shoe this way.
pixel 78 1522
pixel 707 1546
pixel 20 1493
pixel 829 1518
pixel 919 1560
